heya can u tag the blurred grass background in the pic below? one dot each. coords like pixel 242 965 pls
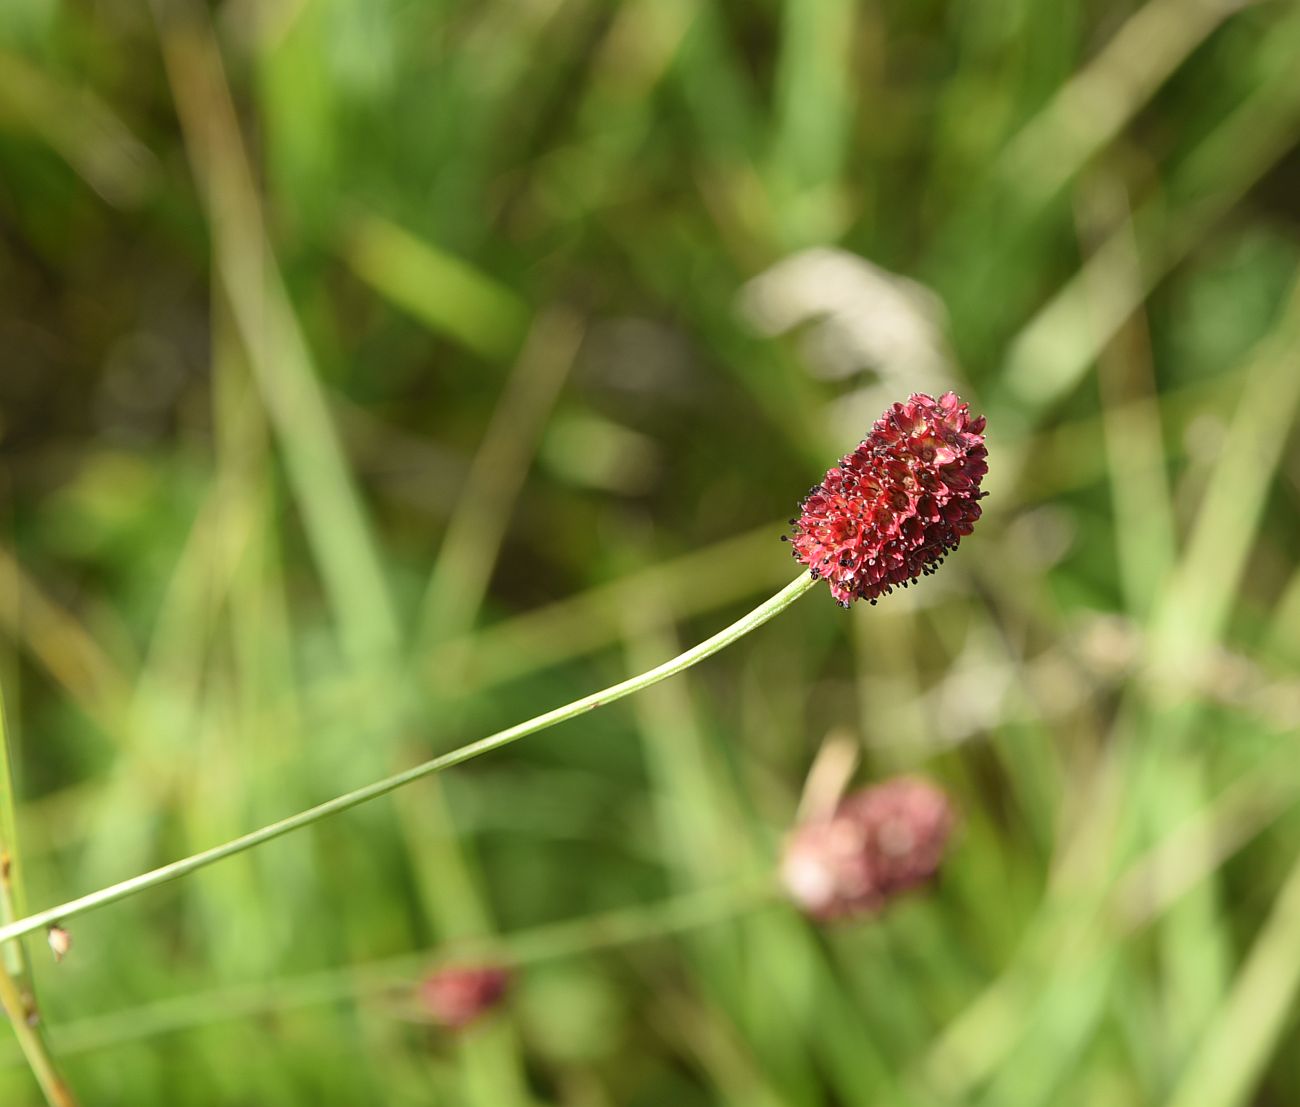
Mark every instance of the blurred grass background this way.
pixel 376 373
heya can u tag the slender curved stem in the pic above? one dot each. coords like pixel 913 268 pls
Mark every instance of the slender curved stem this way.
pixel 122 890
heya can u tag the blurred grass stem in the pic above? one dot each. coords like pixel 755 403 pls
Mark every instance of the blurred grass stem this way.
pixel 15 987
pixel 612 929
pixel 126 888
pixel 33 1045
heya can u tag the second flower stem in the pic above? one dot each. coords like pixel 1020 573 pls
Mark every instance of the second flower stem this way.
pixel 126 888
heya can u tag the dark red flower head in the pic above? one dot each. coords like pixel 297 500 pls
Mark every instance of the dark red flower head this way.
pixel 456 995
pixel 876 844
pixel 891 510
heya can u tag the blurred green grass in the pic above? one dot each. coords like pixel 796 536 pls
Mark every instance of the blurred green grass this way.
pixel 375 374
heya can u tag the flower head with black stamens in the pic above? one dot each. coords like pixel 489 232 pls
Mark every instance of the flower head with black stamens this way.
pixel 876 844
pixel 891 510
pixel 457 995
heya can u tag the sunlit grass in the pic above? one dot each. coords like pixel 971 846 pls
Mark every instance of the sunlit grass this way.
pixel 302 305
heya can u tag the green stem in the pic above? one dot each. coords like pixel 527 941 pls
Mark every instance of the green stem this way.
pixel 10 896
pixel 621 926
pixel 114 892
pixel 16 995
pixel 32 1044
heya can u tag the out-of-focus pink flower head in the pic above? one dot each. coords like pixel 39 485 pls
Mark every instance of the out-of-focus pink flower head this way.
pixel 456 995
pixel 876 844
pixel 891 510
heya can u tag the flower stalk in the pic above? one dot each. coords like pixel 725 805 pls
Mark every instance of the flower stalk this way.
pixel 887 514
pixel 60 913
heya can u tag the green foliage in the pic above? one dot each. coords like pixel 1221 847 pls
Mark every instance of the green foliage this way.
pixel 304 482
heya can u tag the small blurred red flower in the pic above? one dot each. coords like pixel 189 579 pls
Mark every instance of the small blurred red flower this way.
pixel 876 844
pixel 893 508
pixel 457 995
